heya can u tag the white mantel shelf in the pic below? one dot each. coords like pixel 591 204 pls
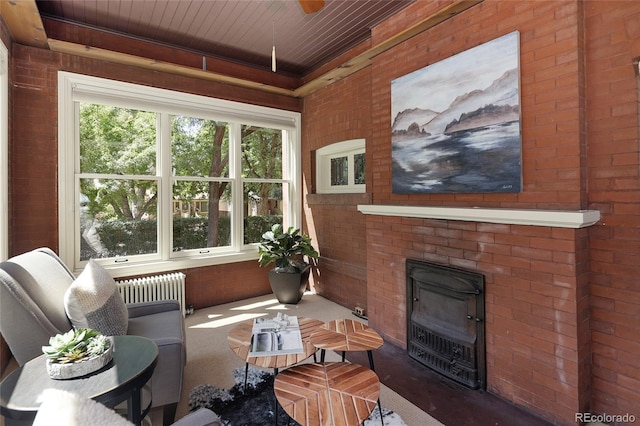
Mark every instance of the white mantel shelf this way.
pixel 554 218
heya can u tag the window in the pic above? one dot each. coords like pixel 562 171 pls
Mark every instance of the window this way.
pixel 341 167
pixel 154 180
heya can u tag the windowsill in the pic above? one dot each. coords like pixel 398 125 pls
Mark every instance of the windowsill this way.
pixel 151 267
pixel 553 218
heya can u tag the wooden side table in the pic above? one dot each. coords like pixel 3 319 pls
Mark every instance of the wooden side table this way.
pixel 134 359
pixel 328 394
pixel 239 339
pixel 346 335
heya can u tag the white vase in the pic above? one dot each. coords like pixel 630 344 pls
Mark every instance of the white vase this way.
pixel 81 368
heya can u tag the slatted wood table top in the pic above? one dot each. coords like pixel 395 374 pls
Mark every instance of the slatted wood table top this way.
pixel 239 339
pixel 346 335
pixel 327 394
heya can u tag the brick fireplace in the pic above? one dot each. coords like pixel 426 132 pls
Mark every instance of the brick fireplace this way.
pixel 536 294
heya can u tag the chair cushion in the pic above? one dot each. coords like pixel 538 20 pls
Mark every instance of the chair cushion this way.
pixel 66 408
pixel 93 301
pixel 165 329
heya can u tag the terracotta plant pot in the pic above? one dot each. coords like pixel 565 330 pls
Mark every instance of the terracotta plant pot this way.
pixel 289 287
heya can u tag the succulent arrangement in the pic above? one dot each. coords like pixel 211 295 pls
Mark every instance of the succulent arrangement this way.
pixel 75 346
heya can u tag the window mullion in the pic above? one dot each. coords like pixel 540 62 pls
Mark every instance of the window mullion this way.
pixel 351 169
pixel 237 185
pixel 292 174
pixel 75 165
pixel 165 187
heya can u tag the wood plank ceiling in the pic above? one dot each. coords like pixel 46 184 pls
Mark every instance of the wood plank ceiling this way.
pixel 240 30
pixel 239 37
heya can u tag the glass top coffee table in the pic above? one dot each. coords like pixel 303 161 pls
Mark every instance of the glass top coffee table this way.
pixel 134 359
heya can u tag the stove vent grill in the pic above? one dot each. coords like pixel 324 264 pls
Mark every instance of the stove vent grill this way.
pixel 445 321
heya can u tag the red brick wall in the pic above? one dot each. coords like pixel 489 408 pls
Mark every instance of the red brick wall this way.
pixel 224 283
pixel 612 35
pixel 340 234
pixel 551 96
pixel 563 316
pixel 536 293
pixel 333 220
pixel 33 152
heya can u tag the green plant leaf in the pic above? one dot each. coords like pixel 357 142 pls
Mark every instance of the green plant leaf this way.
pixel 75 345
pixel 285 249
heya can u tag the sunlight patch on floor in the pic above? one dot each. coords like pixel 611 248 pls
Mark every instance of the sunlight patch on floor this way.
pixel 261 308
pixel 227 321
pixel 279 308
pixel 255 305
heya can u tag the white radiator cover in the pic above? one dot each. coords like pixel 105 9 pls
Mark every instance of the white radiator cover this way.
pixel 157 287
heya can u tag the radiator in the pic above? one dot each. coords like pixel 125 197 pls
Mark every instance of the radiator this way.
pixel 158 287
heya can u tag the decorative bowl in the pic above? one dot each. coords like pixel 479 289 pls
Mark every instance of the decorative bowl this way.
pixel 80 368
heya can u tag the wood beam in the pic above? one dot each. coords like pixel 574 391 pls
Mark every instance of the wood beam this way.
pixel 24 22
pixel 152 64
pixel 364 59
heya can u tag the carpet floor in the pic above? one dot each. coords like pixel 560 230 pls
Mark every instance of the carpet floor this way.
pixel 210 361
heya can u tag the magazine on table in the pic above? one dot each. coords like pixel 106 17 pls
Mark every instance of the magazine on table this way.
pixel 276 336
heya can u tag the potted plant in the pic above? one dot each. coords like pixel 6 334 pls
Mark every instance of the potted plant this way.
pixel 287 250
pixel 77 353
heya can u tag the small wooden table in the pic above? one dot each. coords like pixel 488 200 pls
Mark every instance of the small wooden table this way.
pixel 239 339
pixel 328 394
pixel 346 335
pixel 134 359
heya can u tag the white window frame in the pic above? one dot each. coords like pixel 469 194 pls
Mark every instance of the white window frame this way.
pixel 4 152
pixel 324 156
pixel 75 88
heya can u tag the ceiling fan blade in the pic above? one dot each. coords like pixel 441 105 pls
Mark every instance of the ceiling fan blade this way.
pixel 311 6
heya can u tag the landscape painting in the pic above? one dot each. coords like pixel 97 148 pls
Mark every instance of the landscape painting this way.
pixel 456 123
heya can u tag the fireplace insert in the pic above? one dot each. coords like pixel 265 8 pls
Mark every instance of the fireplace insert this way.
pixel 445 321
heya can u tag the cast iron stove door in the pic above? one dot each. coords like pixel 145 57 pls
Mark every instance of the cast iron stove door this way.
pixel 446 321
